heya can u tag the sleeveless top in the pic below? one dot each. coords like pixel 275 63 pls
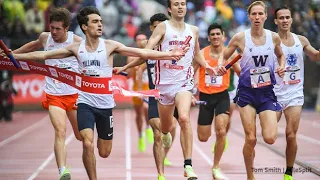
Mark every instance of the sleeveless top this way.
pixel 209 84
pixel 291 85
pixel 55 87
pixel 257 63
pixel 171 71
pixel 95 64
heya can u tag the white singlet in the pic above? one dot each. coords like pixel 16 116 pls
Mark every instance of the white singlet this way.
pixel 291 85
pixel 55 87
pixel 95 64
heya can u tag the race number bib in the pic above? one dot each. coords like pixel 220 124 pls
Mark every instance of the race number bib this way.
pixel 66 66
pixel 292 75
pixel 91 72
pixel 213 80
pixel 260 77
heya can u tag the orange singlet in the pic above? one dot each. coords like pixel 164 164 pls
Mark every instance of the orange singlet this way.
pixel 208 84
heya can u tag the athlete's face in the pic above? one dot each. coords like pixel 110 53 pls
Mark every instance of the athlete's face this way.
pixel 94 27
pixel 284 19
pixel 139 39
pixel 178 8
pixel 216 37
pixel 58 32
pixel 257 16
pixel 154 25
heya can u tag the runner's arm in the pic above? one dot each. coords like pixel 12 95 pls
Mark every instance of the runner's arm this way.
pixel 43 55
pixel 33 45
pixel 278 50
pixel 310 51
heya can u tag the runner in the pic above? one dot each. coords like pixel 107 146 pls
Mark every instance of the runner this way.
pixel 158 151
pixel 255 90
pixel 60 98
pixel 289 90
pixel 140 82
pixel 214 90
pixel 95 58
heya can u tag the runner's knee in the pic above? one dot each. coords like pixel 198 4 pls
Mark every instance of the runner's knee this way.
pixel 221 132
pixel 105 152
pixel 88 145
pixel 203 137
pixel 270 139
pixel 251 141
pixel 290 136
pixel 60 132
pixel 184 121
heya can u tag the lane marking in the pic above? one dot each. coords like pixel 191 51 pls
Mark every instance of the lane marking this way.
pixel 24 131
pixel 127 115
pixel 47 161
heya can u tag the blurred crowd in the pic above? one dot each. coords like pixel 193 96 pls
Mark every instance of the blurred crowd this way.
pixel 23 20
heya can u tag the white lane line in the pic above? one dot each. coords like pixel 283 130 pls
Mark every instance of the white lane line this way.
pixel 47 161
pixel 202 154
pixel 127 115
pixel 24 131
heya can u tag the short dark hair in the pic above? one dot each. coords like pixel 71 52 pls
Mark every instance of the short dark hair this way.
pixel 60 15
pixel 158 17
pixel 215 26
pixel 82 16
pixel 278 9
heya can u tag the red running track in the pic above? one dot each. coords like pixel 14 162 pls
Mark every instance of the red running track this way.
pixel 26 151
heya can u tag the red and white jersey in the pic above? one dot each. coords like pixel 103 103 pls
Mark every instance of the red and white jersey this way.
pixel 55 87
pixel 171 71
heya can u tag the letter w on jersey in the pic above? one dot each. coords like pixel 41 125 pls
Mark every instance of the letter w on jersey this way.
pixel 260 60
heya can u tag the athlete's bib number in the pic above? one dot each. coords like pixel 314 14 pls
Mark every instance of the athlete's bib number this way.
pixel 91 72
pixel 66 66
pixel 213 81
pixel 292 75
pixel 260 77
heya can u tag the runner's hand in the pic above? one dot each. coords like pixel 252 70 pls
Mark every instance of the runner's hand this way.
pixel 177 53
pixel 280 71
pixel 117 70
pixel 221 70
pixel 193 101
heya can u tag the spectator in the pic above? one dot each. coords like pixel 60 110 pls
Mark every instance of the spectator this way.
pixel 34 21
pixel 111 19
pixel 6 93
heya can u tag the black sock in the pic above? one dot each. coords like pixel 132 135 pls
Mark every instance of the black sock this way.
pixel 289 171
pixel 187 162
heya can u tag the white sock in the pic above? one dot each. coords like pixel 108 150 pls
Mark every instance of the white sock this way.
pixel 61 169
